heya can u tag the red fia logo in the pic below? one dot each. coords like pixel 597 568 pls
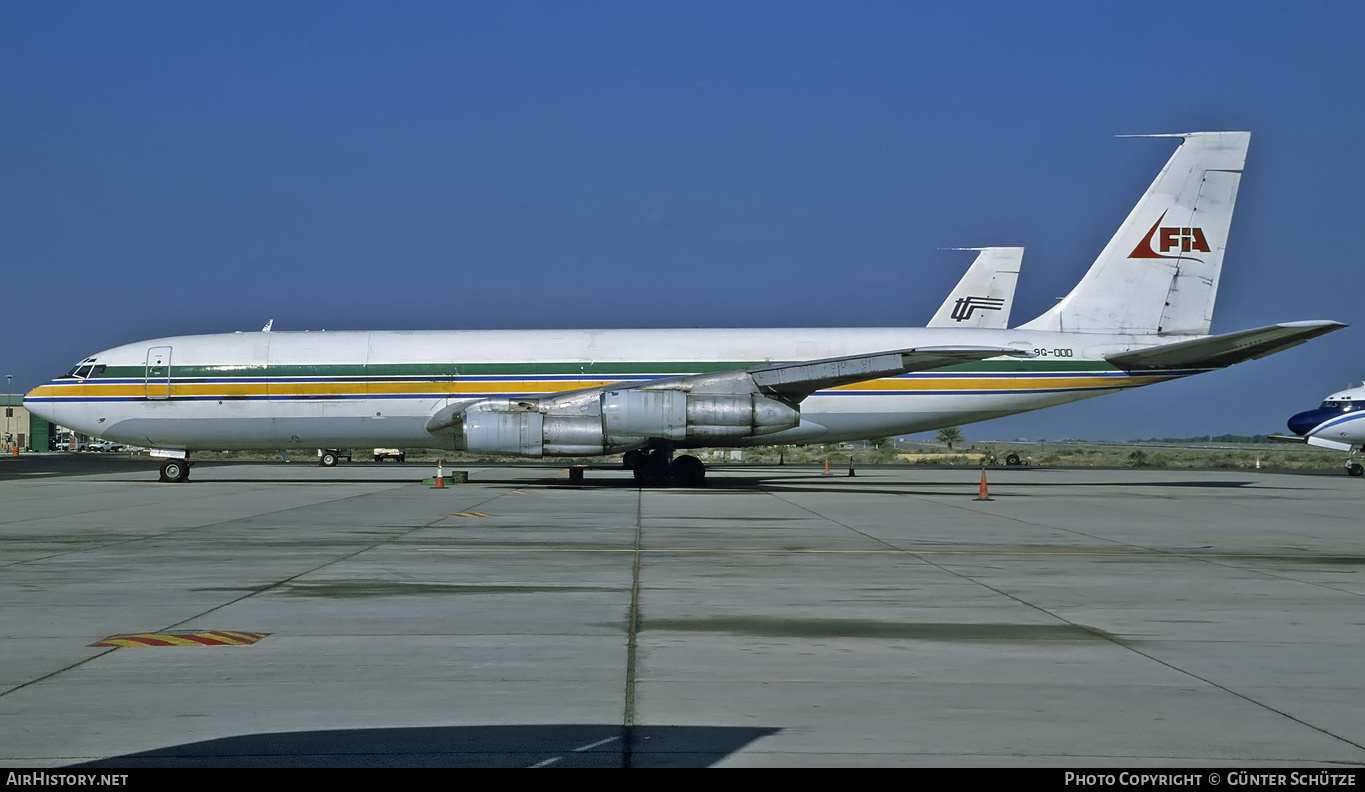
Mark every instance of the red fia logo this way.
pixel 1185 240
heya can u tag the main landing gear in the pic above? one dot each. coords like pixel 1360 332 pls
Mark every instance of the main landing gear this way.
pixel 658 468
pixel 175 470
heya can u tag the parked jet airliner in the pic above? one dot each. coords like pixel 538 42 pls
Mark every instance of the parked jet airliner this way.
pixel 1140 315
pixel 1339 422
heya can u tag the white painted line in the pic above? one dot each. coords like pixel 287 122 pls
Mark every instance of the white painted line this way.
pixel 591 746
pixel 580 749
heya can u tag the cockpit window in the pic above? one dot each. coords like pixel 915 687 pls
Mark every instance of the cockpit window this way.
pixel 83 370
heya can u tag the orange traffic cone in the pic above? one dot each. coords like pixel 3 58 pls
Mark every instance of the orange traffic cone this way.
pixel 440 476
pixel 983 495
pixel 826 466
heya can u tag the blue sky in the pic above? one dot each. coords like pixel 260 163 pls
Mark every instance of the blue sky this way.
pixel 170 168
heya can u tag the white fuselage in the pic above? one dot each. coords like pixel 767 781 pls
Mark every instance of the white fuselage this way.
pixel 380 388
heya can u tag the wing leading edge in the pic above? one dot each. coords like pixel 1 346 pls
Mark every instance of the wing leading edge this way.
pixel 757 400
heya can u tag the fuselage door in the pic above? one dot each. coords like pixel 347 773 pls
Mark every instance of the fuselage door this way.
pixel 158 377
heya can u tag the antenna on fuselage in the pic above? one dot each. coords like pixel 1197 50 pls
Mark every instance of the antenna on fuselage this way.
pixel 266 329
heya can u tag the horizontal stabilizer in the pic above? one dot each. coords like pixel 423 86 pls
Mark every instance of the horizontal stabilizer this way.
pixel 1224 350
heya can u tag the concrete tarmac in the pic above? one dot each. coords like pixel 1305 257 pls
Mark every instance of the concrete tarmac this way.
pixel 777 617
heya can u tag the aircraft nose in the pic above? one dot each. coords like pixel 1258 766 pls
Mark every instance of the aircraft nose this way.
pixel 37 406
pixel 1307 421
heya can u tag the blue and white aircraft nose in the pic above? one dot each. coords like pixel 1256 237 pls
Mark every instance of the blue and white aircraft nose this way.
pixel 1307 421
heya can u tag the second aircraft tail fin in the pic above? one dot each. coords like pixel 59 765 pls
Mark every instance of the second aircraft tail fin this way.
pixel 1159 274
pixel 985 294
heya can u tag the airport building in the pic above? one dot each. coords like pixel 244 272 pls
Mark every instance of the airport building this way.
pixel 21 429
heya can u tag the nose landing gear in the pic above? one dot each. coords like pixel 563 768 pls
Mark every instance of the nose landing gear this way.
pixel 175 470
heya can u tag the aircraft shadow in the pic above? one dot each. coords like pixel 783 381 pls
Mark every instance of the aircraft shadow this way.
pixel 264 480
pixel 863 485
pixel 458 746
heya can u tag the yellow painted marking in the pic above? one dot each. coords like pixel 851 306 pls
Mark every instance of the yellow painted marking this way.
pixel 1004 384
pixel 467 514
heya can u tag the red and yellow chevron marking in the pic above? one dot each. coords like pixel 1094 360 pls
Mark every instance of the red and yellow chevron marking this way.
pixel 212 638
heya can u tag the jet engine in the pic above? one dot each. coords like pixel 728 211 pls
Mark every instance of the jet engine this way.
pixel 612 420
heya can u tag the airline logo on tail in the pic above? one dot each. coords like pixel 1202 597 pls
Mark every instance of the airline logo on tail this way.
pixel 964 307
pixel 1170 238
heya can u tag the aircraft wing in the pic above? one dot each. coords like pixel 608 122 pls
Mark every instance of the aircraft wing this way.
pixel 1224 350
pixel 1322 442
pixel 795 381
pixel 788 382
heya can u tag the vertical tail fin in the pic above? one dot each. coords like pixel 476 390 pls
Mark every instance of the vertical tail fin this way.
pixel 985 295
pixel 1159 274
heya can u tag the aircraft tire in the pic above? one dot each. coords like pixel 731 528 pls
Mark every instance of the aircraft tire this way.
pixel 653 470
pixel 328 459
pixel 1355 469
pixel 688 471
pixel 631 459
pixel 175 471
pixel 1012 459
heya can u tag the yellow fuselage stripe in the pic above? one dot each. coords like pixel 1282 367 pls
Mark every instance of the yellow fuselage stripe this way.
pixel 229 390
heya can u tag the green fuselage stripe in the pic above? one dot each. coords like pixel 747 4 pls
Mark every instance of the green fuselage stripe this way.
pixel 591 370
